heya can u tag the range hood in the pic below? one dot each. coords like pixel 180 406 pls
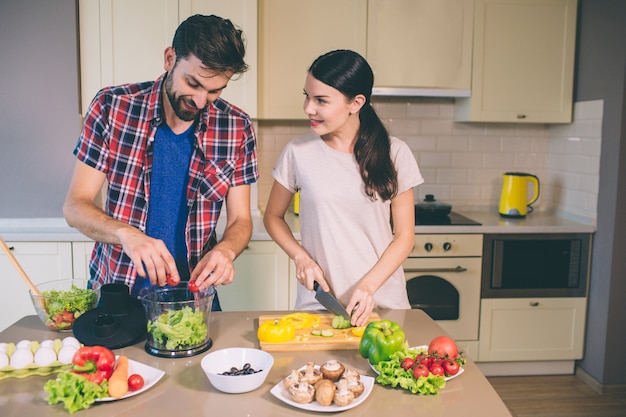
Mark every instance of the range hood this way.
pixel 419 92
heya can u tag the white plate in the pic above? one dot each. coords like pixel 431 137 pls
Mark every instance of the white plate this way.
pixel 150 377
pixel 282 394
pixel 424 348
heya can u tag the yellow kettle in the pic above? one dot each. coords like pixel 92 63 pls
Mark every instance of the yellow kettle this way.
pixel 514 200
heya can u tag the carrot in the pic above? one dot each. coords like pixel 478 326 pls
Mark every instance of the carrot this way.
pixel 118 382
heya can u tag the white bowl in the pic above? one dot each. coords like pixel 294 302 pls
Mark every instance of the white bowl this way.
pixel 223 360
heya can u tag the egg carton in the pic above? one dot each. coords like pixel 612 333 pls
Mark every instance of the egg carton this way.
pixel 33 369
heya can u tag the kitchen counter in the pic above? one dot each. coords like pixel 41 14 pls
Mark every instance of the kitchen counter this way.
pixel 185 389
pixel 57 230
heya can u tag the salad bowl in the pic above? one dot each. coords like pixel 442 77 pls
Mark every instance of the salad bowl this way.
pixel 62 301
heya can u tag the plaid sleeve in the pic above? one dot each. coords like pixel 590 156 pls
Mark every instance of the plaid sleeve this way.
pixel 92 147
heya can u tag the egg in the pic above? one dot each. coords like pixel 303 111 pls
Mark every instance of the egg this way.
pixel 3 347
pixel 71 341
pixel 46 343
pixel 4 360
pixel 23 344
pixel 21 358
pixel 66 354
pixel 45 356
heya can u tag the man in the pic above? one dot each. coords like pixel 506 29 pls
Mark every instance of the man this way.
pixel 171 152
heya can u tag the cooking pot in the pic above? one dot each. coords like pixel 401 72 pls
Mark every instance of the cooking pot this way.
pixel 430 207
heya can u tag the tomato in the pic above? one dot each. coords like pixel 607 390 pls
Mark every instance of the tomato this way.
pixel 436 369
pixel 451 367
pixel 171 281
pixel 135 382
pixel 425 360
pixel 407 363
pixel 192 286
pixel 420 370
pixel 443 346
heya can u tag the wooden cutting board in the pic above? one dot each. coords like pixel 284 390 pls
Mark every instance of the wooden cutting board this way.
pixel 342 339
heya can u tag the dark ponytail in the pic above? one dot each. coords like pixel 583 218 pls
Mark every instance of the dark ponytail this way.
pixel 349 73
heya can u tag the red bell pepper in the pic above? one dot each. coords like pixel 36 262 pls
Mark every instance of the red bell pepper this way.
pixel 94 363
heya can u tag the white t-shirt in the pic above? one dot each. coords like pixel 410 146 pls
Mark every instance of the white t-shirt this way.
pixel 341 227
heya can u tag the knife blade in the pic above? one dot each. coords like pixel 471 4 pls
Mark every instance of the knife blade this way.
pixel 330 302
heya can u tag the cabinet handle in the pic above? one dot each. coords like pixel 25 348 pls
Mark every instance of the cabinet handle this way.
pixel 457 269
pixel 11 247
pixel 521 116
pixel 534 303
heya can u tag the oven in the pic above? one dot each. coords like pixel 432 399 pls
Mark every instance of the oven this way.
pixel 443 278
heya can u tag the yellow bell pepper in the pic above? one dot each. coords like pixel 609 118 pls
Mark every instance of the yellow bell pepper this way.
pixel 302 320
pixel 275 331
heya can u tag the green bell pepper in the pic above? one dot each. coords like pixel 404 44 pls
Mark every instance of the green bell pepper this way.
pixel 380 340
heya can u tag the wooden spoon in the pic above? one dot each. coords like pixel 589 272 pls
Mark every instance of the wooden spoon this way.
pixel 19 268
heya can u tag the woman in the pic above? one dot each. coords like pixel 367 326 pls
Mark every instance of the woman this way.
pixel 353 178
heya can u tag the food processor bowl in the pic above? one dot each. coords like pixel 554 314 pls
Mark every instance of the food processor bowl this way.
pixel 178 320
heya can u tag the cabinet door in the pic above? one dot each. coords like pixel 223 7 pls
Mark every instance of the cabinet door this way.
pixel 526 329
pixel 420 43
pixel 261 280
pixel 242 92
pixel 123 41
pixel 291 35
pixel 42 262
pixel 81 254
pixel 523 64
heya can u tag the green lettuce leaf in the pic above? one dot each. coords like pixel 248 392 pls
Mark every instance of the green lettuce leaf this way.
pixel 179 329
pixel 74 391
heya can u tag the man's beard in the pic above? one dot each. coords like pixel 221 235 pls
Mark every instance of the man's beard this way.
pixel 181 112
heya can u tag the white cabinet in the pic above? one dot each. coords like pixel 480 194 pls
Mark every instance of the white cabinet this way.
pixel 523 62
pixel 425 44
pixel 81 254
pixel 531 329
pixel 123 41
pixel 42 262
pixel 261 280
pixel 291 35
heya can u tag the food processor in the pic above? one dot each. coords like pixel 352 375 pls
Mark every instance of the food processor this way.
pixel 178 320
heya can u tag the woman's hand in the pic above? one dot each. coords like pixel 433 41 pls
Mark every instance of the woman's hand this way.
pixel 308 271
pixel 361 305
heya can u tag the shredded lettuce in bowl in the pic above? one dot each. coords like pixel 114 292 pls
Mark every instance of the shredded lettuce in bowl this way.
pixel 179 329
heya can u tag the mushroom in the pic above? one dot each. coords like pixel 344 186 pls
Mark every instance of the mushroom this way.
pixel 291 379
pixel 302 392
pixel 343 396
pixel 332 370
pixel 310 374
pixel 324 392
pixel 354 382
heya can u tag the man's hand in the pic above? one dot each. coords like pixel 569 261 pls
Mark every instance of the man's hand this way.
pixel 215 268
pixel 150 256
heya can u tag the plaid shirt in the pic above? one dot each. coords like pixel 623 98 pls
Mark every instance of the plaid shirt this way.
pixel 117 139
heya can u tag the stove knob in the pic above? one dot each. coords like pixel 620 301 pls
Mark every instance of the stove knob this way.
pixel 428 246
pixel 447 246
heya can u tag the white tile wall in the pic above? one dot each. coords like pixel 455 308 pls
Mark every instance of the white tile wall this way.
pixel 463 163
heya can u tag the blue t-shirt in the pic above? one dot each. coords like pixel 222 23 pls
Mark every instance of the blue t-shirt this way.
pixel 167 210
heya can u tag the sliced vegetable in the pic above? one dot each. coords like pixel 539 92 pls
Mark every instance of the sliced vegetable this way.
pixel 327 333
pixel 302 320
pixel 380 340
pixel 94 363
pixel 340 322
pixel 276 331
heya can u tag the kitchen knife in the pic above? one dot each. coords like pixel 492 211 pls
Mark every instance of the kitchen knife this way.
pixel 330 302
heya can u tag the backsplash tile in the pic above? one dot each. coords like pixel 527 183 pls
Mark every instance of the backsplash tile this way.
pixel 463 163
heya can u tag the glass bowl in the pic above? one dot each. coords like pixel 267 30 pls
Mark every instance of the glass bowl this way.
pixel 63 300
